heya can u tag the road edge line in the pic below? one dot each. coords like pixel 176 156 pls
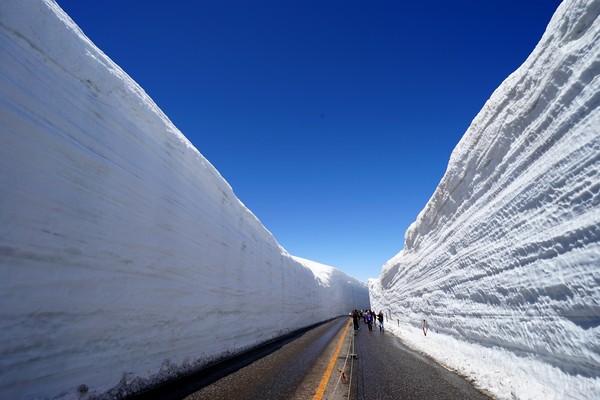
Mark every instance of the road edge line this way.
pixel 325 379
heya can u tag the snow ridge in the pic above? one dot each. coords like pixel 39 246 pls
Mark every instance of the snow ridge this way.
pixel 341 287
pixel 125 257
pixel 505 254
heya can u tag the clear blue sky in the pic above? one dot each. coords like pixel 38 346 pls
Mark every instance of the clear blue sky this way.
pixel 333 121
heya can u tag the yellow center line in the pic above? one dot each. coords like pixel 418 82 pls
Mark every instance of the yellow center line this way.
pixel 325 379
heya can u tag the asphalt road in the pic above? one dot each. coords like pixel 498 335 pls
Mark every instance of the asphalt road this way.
pixel 386 369
pixel 291 372
pixel 293 369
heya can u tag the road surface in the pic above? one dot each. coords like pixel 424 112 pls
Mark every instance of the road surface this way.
pixel 329 361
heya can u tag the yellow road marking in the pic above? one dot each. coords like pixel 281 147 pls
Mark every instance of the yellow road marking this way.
pixel 325 379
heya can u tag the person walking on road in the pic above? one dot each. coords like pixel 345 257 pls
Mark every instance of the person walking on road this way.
pixel 380 318
pixel 355 320
pixel 369 320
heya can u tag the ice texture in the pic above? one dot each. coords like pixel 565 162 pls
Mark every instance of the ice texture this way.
pixel 125 258
pixel 504 259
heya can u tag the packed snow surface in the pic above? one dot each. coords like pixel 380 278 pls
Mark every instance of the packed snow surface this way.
pixel 503 263
pixel 125 258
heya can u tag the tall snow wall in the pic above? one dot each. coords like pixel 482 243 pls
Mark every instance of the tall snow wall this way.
pixel 125 258
pixel 506 253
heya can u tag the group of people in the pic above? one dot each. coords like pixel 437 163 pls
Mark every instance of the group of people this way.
pixel 369 317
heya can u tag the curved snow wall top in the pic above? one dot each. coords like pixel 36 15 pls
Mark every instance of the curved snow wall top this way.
pixel 125 258
pixel 506 253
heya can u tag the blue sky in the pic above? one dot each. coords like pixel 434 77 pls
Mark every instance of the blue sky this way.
pixel 333 121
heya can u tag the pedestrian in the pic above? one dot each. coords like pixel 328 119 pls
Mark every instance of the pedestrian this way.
pixel 355 319
pixel 369 320
pixel 380 318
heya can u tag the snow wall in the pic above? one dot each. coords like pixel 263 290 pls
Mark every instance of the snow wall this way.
pixel 504 260
pixel 125 258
